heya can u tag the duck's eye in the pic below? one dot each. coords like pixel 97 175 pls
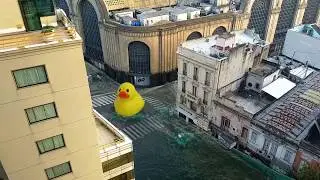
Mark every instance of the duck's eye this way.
pixel 119 90
pixel 127 90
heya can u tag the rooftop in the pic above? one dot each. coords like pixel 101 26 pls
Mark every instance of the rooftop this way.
pixel 204 45
pixel 264 69
pixel 309 29
pixel 14 41
pixel 250 101
pixel 290 115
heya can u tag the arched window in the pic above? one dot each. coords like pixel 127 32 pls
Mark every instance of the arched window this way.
pixel 259 17
pixel 139 58
pixel 194 35
pixel 310 14
pixel 91 32
pixel 285 22
pixel 219 30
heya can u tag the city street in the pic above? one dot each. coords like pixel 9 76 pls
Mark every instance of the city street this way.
pixel 165 147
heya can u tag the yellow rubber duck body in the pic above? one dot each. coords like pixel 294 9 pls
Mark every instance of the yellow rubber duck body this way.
pixel 128 101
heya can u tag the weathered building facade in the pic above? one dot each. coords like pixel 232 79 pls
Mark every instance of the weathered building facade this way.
pixel 114 46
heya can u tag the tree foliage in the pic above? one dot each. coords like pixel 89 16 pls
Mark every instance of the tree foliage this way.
pixel 309 172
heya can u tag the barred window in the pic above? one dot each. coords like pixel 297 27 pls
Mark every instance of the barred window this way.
pixel 259 17
pixel 139 58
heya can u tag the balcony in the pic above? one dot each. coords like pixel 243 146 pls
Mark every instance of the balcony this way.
pixel 113 144
pixel 192 97
pixel 22 40
pixel 195 78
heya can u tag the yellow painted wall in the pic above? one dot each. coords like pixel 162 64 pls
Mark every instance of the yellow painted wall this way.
pixel 68 88
pixel 10 15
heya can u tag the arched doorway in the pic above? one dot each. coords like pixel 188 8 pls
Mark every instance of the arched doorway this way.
pixel 91 32
pixel 219 30
pixel 259 17
pixel 194 35
pixel 139 63
pixel 62 4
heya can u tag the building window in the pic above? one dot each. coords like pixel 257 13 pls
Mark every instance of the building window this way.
pixel 225 123
pixel 139 58
pixel 250 84
pixel 40 113
pixel 58 170
pixel 244 133
pixel 50 144
pixel 194 90
pixel 254 137
pixel 193 106
pixel 183 86
pixel 205 97
pixel 257 86
pixel 184 71
pixel 204 111
pixel 287 156
pixel 182 99
pixel 32 10
pixel 195 73
pixel 30 76
pixel 207 80
pixel 45 7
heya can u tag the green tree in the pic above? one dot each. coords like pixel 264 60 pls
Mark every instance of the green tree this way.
pixel 309 172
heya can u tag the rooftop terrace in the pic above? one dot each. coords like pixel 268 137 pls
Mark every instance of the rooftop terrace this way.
pixel 18 40
pixel 204 46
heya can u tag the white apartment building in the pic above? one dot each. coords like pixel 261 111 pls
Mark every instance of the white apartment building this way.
pixel 207 69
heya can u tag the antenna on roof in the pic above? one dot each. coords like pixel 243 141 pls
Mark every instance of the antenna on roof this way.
pixel 292 57
pixel 305 75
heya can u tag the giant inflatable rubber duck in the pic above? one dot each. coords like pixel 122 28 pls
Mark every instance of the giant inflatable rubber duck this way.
pixel 128 101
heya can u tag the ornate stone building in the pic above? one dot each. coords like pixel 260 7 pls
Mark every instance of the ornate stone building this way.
pixel 146 55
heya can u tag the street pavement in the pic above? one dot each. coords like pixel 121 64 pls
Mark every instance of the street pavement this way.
pixel 155 131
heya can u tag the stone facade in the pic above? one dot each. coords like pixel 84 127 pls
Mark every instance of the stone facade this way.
pixel 162 40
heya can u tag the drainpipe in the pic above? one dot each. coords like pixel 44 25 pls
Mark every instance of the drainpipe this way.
pixel 160 55
pixel 218 77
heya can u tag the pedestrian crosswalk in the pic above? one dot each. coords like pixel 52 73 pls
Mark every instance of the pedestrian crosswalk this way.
pixel 105 99
pixel 102 100
pixel 143 127
pixel 158 105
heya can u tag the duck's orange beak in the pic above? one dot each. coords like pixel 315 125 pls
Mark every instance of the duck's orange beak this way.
pixel 123 95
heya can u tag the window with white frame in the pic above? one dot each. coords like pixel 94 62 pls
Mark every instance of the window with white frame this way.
pixel 207 80
pixel 30 76
pixel 184 71
pixel 41 113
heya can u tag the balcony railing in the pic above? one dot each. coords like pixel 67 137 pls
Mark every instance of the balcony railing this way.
pixel 22 40
pixel 195 78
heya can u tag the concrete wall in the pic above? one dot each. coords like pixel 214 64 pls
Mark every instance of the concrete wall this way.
pixel 304 47
pixel 68 88
pixel 10 15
